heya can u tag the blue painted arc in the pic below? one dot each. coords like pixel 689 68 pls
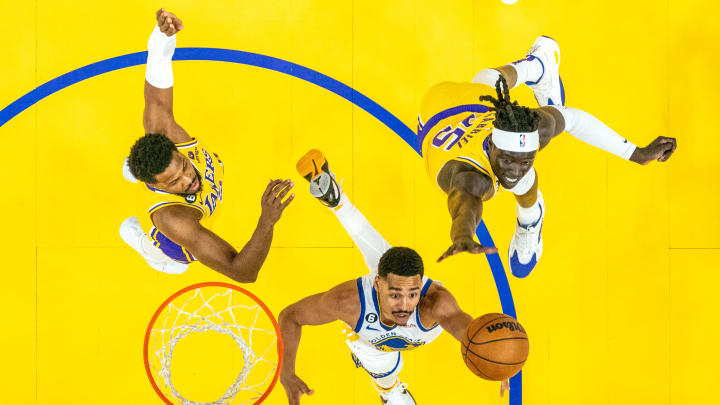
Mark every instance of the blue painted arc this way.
pixel 292 69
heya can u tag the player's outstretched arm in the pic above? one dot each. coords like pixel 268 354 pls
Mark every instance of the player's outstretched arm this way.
pixel 339 303
pixel 465 202
pixel 587 128
pixel 448 314
pixel 158 115
pixel 182 225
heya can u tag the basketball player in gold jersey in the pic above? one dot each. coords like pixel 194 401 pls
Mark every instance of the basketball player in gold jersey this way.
pixel 475 145
pixel 183 183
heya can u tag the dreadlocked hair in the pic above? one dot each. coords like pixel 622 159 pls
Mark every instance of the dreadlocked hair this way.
pixel 509 116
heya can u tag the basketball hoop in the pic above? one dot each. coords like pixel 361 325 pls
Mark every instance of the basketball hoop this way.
pixel 221 308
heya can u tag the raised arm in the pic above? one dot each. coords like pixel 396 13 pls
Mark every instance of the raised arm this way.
pixel 465 201
pixel 445 311
pixel 182 225
pixel 158 115
pixel 339 303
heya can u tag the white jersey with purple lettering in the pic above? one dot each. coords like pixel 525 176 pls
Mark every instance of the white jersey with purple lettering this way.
pixel 371 331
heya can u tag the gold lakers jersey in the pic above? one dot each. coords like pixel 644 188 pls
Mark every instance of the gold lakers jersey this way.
pixel 207 200
pixel 453 125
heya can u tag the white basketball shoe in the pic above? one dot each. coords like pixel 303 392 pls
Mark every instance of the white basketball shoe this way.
pixel 526 245
pixel 397 395
pixel 133 235
pixel 549 88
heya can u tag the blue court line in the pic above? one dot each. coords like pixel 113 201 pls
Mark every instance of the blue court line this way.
pixel 292 69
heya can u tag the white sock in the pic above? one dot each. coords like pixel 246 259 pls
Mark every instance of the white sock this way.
pixel 488 77
pixel 591 130
pixel 368 240
pixel 386 383
pixel 159 61
pixel 530 215
pixel 529 70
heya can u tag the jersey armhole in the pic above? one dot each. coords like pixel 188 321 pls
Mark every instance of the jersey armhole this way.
pixel 169 203
pixel 361 293
pixel 424 290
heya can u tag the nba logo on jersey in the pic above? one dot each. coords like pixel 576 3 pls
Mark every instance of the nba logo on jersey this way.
pixel 522 140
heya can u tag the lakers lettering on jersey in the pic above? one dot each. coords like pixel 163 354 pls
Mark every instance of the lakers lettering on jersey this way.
pixel 370 330
pixel 453 125
pixel 207 200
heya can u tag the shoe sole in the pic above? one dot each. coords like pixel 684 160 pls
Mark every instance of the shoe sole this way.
pixel 312 164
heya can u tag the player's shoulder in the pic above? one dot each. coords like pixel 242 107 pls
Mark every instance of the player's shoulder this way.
pixel 175 216
pixel 439 301
pixel 344 294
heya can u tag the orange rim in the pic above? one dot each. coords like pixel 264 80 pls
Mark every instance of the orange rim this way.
pixel 213 284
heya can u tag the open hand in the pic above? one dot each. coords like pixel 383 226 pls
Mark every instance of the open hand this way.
pixel 294 388
pixel 168 22
pixel 466 245
pixel 272 200
pixel 660 149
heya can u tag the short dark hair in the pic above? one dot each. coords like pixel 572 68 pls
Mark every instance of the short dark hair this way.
pixel 150 156
pixel 509 116
pixel 401 261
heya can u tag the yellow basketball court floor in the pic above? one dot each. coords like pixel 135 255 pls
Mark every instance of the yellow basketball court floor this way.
pixel 621 310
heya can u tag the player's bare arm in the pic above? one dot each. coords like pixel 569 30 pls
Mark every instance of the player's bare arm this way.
pixel 182 225
pixel 443 309
pixel 466 189
pixel 158 114
pixel 338 303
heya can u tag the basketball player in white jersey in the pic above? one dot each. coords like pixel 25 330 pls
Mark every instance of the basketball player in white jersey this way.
pixel 182 183
pixel 393 308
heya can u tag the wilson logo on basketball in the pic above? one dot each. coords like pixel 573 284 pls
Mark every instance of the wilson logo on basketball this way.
pixel 513 326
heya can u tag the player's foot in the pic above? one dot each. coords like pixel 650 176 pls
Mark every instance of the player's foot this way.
pixel 397 395
pixel 549 88
pixel 315 169
pixel 133 235
pixel 526 245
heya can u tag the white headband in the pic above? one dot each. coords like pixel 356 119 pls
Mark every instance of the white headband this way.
pixel 516 141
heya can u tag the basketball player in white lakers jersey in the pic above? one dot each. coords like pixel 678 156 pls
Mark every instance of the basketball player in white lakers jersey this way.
pixel 392 309
pixel 182 183
pixel 474 146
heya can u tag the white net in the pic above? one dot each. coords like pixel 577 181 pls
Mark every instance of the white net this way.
pixel 221 310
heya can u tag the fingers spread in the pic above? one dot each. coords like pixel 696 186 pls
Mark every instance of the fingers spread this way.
pixel 288 201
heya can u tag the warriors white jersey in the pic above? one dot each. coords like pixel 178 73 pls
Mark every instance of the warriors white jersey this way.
pixel 371 331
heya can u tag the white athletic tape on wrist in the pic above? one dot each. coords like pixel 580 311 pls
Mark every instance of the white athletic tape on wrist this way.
pixel 159 61
pixel 516 141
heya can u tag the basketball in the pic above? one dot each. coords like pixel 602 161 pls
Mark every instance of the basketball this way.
pixel 495 347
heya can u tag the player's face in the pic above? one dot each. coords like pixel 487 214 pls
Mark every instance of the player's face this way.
pixel 510 167
pixel 398 296
pixel 180 177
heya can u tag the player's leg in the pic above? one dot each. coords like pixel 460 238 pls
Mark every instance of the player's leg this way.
pixel 133 235
pixel 384 370
pixel 539 70
pixel 526 245
pixel 314 167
